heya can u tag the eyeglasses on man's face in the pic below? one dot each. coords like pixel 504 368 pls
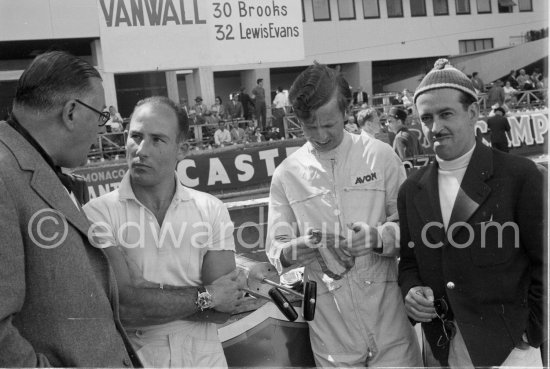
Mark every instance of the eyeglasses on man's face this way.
pixel 449 328
pixel 104 116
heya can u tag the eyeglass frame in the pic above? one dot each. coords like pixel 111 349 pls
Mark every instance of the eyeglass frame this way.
pixel 449 328
pixel 104 116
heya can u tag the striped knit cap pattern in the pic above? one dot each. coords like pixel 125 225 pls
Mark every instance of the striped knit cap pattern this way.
pixel 444 75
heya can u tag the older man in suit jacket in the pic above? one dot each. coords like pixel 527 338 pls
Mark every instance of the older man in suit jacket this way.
pixel 472 238
pixel 58 297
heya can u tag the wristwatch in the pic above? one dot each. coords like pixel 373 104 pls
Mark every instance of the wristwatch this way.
pixel 204 299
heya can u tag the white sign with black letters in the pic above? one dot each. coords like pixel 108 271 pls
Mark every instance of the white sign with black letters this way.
pixel 146 35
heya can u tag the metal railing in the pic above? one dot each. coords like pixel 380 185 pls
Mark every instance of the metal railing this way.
pixel 109 146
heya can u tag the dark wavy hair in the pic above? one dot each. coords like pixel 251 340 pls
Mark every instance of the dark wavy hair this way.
pixel 314 87
pixel 181 115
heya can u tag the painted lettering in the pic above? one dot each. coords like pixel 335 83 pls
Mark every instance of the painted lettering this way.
pixel 520 131
pixel 269 157
pixel 243 163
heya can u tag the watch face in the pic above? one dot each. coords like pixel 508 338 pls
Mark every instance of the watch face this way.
pixel 204 300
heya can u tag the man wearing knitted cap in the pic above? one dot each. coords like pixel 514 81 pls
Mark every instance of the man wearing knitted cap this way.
pixel 332 209
pixel 472 238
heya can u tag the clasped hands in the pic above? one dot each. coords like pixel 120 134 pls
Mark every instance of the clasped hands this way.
pixel 360 240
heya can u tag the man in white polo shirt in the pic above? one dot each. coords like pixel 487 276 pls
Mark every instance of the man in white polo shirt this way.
pixel 165 242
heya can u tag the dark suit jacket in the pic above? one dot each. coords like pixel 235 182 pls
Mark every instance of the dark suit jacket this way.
pixel 365 98
pixel 497 292
pixel 58 304
pixel 234 111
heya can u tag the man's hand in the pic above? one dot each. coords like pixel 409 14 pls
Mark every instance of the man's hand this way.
pixel 226 291
pixel 302 250
pixel 361 240
pixel 419 304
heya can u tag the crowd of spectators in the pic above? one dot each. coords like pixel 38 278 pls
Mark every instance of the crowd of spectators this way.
pixel 235 121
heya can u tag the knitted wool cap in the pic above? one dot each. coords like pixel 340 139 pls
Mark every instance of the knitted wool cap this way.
pixel 444 75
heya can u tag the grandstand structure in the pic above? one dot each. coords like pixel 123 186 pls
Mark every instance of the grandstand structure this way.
pixel 382 45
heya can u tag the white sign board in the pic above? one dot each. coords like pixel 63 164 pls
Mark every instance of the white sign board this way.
pixel 146 35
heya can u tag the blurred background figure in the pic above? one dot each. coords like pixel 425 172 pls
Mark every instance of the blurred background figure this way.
pixel 278 110
pixel 237 133
pixel 115 123
pixel 247 103
pixel 498 126
pixel 234 108
pixel 405 143
pixel 222 136
pixel 351 126
pixel 360 97
pixel 217 111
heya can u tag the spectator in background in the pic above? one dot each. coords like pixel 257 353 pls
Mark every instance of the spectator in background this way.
pixel 198 111
pixel 249 132
pixel 272 134
pixel 509 92
pixel 522 78
pixel 246 102
pixel 405 142
pixel 369 121
pixel 499 125
pixel 258 136
pixel 536 80
pixel 258 95
pixel 237 133
pixel 360 97
pixel 184 106
pixel 496 94
pixel 478 83
pixel 398 99
pixel 115 122
pixel 217 111
pixel 512 79
pixel 222 136
pixel 234 109
pixel 351 126
pixel 407 100
pixel 278 109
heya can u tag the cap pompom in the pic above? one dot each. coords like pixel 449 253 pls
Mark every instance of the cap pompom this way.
pixel 441 64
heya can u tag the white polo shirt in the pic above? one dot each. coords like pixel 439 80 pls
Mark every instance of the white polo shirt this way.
pixel 171 253
pixel 168 253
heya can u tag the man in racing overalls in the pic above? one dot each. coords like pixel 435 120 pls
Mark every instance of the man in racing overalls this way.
pixel 332 209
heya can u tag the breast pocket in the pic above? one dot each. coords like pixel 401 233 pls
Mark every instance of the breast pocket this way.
pixel 365 202
pixel 317 201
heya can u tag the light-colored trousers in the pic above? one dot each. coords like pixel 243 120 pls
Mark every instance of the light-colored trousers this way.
pixel 179 344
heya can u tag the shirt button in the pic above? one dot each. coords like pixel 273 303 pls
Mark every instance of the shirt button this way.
pixel 450 285
pixel 127 362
